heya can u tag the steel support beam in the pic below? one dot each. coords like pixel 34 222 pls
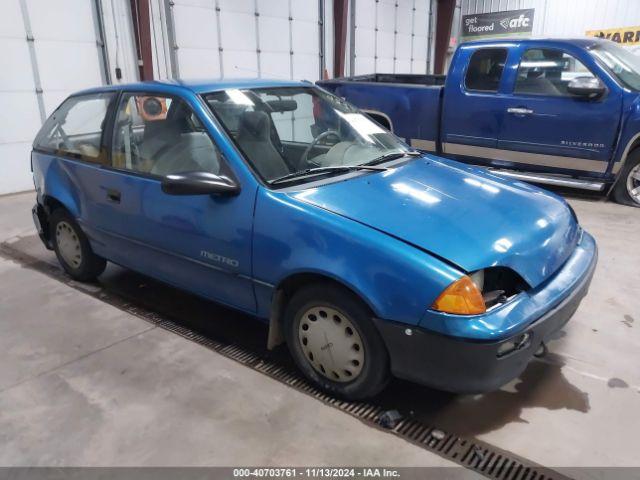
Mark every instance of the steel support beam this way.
pixel 142 33
pixel 352 37
pixel 340 16
pixel 430 38
pixel 444 20
pixel 34 59
pixel 171 39
pixel 321 24
pixel 101 42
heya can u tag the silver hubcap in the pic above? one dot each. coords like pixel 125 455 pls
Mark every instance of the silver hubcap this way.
pixel 633 183
pixel 68 244
pixel 331 343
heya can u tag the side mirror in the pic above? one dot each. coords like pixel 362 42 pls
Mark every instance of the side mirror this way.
pixel 199 183
pixel 589 87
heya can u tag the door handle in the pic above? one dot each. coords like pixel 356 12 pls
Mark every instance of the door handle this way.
pixel 113 195
pixel 519 111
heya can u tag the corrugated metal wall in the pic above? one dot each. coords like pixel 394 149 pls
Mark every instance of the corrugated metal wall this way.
pixel 46 52
pixel 239 38
pixel 565 18
pixel 389 36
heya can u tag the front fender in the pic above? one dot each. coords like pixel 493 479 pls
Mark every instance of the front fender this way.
pixel 398 281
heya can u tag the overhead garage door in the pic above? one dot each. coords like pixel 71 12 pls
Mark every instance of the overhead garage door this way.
pixel 390 36
pixel 244 38
pixel 47 53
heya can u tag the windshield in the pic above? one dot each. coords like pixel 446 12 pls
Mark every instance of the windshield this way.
pixel 622 63
pixel 283 131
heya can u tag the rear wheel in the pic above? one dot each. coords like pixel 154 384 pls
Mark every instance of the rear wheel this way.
pixel 72 247
pixel 627 189
pixel 333 341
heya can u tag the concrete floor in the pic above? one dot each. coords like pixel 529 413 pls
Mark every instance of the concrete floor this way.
pixel 84 383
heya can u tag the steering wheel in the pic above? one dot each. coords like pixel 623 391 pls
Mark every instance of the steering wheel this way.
pixel 304 161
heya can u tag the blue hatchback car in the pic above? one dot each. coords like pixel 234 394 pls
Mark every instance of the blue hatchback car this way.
pixel 281 200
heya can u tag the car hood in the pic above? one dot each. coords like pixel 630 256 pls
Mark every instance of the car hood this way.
pixel 465 215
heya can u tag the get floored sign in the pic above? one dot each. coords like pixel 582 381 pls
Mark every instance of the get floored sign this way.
pixel 498 23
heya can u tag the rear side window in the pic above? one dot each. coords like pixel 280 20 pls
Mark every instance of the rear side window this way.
pixel 545 71
pixel 485 69
pixel 75 128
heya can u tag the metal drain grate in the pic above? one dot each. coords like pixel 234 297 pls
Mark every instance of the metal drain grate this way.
pixel 473 454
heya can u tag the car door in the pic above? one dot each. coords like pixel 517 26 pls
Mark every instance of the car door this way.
pixel 473 109
pixel 198 242
pixel 547 128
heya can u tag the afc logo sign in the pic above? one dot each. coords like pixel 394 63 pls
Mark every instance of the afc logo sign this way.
pixel 518 22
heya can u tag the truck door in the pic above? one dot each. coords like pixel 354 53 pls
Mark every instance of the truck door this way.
pixel 547 128
pixel 473 108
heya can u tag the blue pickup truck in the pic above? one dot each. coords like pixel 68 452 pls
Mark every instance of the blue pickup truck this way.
pixel 559 112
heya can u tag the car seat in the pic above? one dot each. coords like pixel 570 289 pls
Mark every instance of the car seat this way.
pixel 254 138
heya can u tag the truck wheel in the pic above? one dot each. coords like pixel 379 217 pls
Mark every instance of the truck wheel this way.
pixel 627 189
pixel 333 341
pixel 72 248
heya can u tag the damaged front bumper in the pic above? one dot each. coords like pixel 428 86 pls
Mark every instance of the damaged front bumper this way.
pixel 472 365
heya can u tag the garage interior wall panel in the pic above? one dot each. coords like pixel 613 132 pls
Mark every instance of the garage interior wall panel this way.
pixel 47 53
pixel 119 39
pixel 160 45
pixel 196 33
pixel 305 40
pixel 21 117
pixel 566 18
pixel 390 36
pixel 66 49
pixel 238 31
pixel 243 38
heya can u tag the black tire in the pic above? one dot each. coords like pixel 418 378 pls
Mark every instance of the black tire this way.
pixel 621 193
pixel 89 266
pixel 374 374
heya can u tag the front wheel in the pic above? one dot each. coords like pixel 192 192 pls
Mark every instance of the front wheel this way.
pixel 72 248
pixel 627 189
pixel 334 342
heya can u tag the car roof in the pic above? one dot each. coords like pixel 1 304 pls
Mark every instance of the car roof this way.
pixel 198 86
pixel 582 42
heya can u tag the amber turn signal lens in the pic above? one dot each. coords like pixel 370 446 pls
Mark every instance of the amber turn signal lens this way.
pixel 462 297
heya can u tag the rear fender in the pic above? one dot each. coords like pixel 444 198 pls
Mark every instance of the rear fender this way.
pixel 55 186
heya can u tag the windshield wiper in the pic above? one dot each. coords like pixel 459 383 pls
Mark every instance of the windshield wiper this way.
pixel 392 156
pixel 321 170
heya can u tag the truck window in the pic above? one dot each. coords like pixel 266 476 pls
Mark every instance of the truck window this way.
pixel 544 71
pixel 75 128
pixel 485 69
pixel 624 64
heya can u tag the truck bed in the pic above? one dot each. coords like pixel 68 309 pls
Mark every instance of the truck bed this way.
pixel 401 78
pixel 407 104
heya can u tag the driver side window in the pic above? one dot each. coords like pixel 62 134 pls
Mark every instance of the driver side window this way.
pixel 544 71
pixel 160 135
